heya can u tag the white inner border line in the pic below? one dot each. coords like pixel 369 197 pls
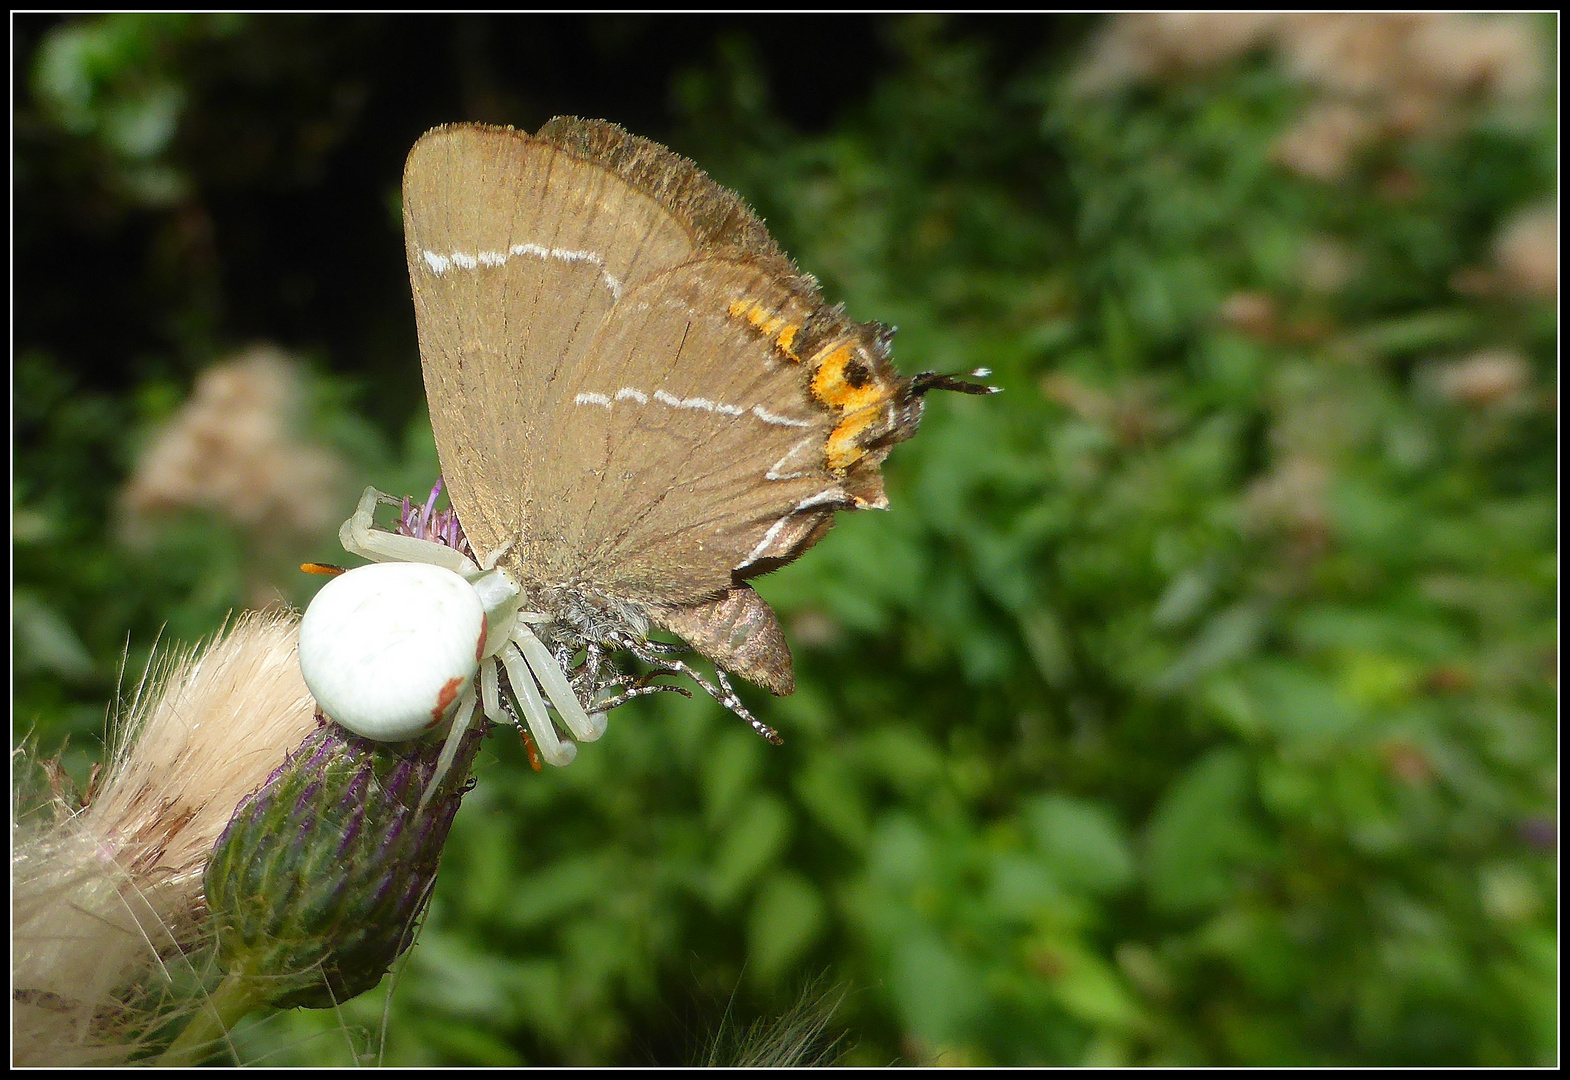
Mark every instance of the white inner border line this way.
pixel 464 260
pixel 632 393
pixel 787 458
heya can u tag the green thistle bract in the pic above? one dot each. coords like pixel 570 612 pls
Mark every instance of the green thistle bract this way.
pixel 317 882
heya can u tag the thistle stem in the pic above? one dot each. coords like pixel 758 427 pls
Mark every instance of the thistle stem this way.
pixel 236 996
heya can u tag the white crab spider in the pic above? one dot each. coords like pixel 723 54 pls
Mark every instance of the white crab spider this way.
pixel 386 649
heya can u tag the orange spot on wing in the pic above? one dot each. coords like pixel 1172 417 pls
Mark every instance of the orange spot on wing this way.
pixel 327 569
pixel 831 385
pixel 768 323
pixel 842 449
pixel 786 339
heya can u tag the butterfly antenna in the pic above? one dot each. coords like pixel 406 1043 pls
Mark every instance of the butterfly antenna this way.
pixel 933 380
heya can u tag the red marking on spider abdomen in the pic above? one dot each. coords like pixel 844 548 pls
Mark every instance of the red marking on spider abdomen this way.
pixel 448 695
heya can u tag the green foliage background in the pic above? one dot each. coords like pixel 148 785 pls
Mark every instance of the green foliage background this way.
pixel 1085 764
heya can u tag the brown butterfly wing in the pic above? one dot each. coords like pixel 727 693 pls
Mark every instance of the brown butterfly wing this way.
pixel 516 252
pixel 689 446
pixel 633 390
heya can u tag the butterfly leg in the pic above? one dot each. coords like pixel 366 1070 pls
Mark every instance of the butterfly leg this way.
pixel 723 693
pixel 586 681
pixel 642 689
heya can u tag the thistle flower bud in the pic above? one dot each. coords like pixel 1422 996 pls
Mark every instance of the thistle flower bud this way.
pixel 315 886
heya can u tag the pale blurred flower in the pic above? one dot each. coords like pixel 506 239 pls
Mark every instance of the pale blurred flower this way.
pixel 1132 413
pixel 815 629
pixel 1139 47
pixel 1390 73
pixel 235 450
pixel 1327 264
pixel 107 900
pixel 1396 59
pixel 1493 56
pixel 1254 313
pixel 1527 251
pixel 1290 497
pixel 1086 402
pixel 1412 72
pixel 1487 378
pixel 1323 142
pixel 1350 55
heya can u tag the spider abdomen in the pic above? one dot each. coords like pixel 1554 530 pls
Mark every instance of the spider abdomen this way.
pixel 387 649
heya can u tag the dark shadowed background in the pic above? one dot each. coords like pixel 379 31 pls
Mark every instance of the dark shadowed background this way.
pixel 1194 704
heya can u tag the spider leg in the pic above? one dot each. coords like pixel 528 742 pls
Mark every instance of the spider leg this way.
pixel 490 695
pixel 460 727
pixel 723 693
pixel 359 536
pixel 554 682
pixel 555 750
pixel 506 700
pixel 496 556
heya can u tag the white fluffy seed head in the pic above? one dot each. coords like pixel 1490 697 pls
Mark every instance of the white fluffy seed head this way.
pixel 387 649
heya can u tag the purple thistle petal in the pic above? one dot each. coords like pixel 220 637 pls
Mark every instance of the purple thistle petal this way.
pixel 430 505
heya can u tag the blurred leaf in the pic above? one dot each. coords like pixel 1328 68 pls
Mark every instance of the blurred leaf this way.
pixel 552 892
pixel 1229 636
pixel 1082 843
pixel 828 790
pixel 752 840
pixel 1199 836
pixel 45 640
pixel 1299 706
pixel 730 772
pixel 935 992
pixel 787 919
pixel 1084 985
pixel 1028 889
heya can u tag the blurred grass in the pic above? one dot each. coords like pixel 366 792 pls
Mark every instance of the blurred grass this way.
pixel 1194 705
